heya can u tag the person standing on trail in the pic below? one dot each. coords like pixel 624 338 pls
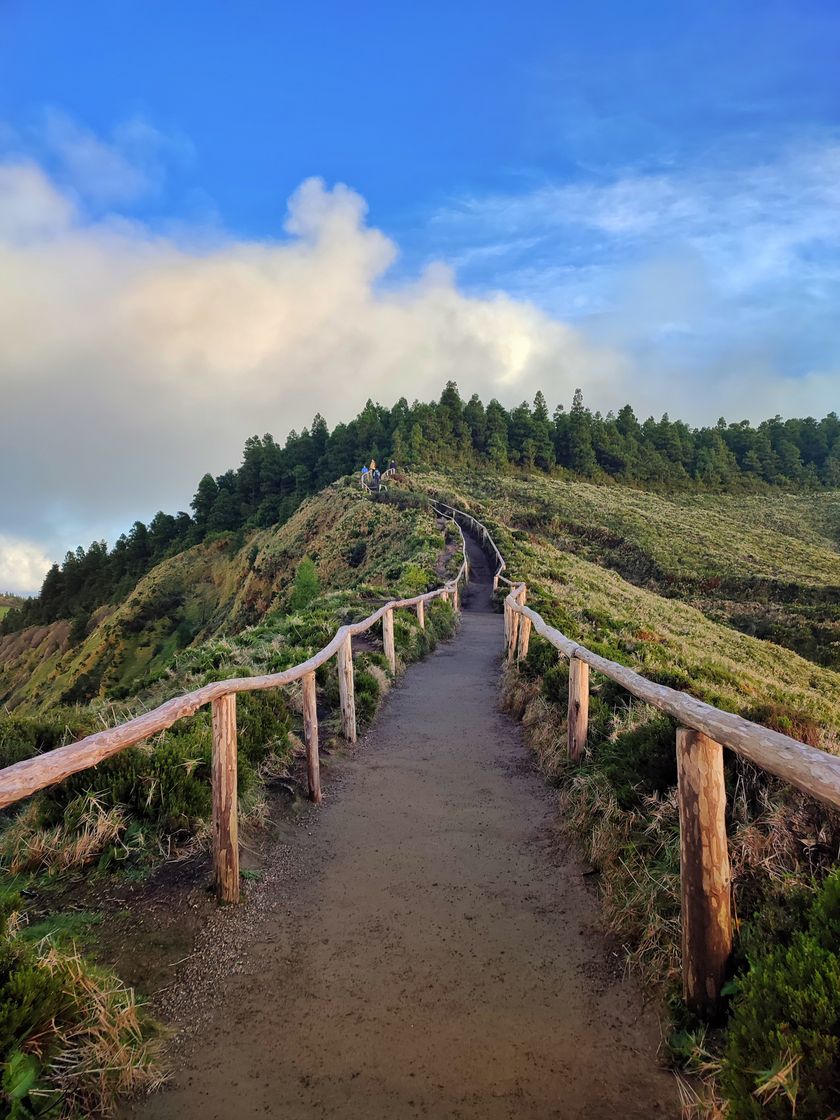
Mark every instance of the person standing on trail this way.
pixel 373 464
pixel 393 465
pixel 365 473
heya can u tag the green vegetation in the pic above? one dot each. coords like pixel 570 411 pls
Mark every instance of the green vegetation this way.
pixel 8 602
pixel 72 1037
pixel 783 1049
pixel 307 585
pixel 705 558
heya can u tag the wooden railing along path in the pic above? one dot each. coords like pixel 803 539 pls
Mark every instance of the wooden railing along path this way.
pixel 365 484
pixel 702 734
pixel 33 774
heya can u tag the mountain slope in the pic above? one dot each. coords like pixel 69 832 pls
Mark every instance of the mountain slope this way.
pixel 220 586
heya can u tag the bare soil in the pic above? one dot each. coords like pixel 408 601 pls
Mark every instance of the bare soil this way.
pixel 419 945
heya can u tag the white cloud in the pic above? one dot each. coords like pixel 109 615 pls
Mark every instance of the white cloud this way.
pixel 23 565
pixel 130 362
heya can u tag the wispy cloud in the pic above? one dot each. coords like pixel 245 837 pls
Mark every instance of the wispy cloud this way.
pixel 755 222
pixel 128 165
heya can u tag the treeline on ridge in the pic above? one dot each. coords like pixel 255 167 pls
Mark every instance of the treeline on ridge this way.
pixel 272 481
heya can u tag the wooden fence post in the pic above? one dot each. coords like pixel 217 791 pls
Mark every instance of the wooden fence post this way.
pixel 578 719
pixel 421 615
pixel 225 799
pixel 388 640
pixel 310 735
pixel 455 600
pixel 524 637
pixel 346 689
pixel 513 631
pixel 704 870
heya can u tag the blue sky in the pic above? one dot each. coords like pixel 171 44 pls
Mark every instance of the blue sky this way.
pixel 642 198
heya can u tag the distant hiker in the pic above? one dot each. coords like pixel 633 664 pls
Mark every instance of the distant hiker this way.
pixel 365 473
pixel 376 478
pixel 373 464
pixel 393 465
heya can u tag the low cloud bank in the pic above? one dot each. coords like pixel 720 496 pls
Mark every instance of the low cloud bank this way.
pixel 130 362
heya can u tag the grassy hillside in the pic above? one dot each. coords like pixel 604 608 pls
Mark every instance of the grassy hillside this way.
pixel 7 602
pixel 217 587
pixel 768 565
pixel 638 577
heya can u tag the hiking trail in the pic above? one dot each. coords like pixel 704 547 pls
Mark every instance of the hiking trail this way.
pixel 425 945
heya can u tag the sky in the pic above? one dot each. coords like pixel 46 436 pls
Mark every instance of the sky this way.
pixel 216 220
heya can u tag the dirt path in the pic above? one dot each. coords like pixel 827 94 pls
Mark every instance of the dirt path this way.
pixel 433 954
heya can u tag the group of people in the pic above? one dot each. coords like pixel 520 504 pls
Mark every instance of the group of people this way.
pixel 372 477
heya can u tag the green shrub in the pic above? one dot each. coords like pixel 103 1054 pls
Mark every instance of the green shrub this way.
pixel 23 736
pixel 783 1047
pixel 166 786
pixel 307 586
pixel 263 722
pixel 640 762
pixel 367 695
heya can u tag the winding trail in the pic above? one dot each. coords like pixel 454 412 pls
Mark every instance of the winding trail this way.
pixel 435 953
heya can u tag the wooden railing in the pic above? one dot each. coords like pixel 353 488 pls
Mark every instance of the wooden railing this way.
pixel 33 774
pixel 366 478
pixel 703 731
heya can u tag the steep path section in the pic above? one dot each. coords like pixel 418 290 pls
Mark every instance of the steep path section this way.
pixel 434 954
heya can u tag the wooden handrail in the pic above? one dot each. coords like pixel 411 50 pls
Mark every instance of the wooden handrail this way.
pixel 389 473
pixel 811 770
pixel 22 779
pixel 702 733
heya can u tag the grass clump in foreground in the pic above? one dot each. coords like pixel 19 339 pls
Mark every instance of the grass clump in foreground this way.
pixel 73 1038
pixel 782 1056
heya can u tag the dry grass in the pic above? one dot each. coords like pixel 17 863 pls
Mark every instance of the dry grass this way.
pixel 88 830
pixel 106 1052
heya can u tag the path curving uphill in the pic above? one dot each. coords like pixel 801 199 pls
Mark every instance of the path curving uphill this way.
pixel 427 950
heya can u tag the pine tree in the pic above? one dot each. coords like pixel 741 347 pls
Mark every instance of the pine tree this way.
pixel 204 500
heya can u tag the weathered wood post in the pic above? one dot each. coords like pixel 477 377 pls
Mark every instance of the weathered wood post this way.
pixel 225 799
pixel 704 870
pixel 421 615
pixel 388 640
pixel 578 719
pixel 524 637
pixel 346 689
pixel 455 599
pixel 310 735
pixel 513 631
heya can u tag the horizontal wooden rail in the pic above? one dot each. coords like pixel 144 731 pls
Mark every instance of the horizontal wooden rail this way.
pixel 810 769
pixel 366 478
pixel 33 774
